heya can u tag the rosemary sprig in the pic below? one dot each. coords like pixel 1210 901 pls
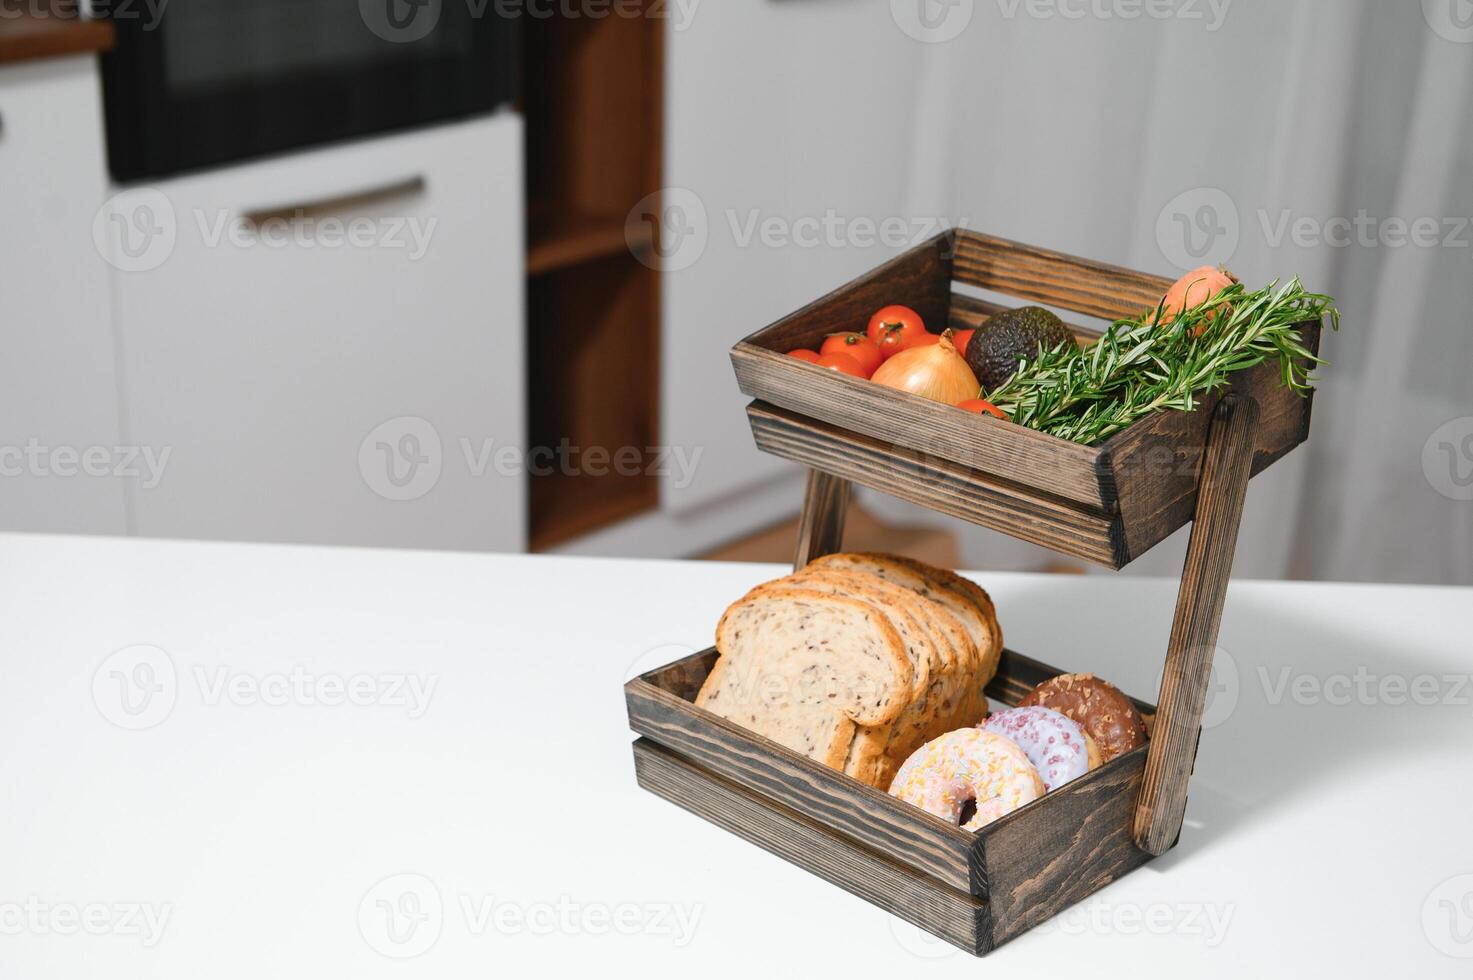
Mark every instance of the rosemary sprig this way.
pixel 1140 366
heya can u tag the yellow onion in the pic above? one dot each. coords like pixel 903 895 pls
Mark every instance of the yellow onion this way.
pixel 933 371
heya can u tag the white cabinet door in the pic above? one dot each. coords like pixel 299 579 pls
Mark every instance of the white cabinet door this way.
pixel 794 129
pixel 328 344
pixel 62 465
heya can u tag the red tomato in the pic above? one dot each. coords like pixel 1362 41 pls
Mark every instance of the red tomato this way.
pixel 894 328
pixel 981 406
pixel 804 354
pixel 961 338
pixel 842 363
pixel 926 339
pixel 857 346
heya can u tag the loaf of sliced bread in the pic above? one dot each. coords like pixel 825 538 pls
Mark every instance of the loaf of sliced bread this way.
pixel 804 667
pixel 856 660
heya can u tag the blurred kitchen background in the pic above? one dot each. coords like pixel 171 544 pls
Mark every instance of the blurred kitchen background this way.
pixel 463 273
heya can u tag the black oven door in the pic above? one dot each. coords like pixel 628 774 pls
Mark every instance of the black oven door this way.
pixel 210 82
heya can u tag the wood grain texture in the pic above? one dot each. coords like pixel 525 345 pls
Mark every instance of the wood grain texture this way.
pixel 1024 456
pixel 970 312
pixel 866 815
pixel 1054 278
pixel 929 479
pixel 1152 468
pixel 954 916
pixel 821 523
pixel 920 278
pixel 1204 580
pixel 661 707
pixel 1061 849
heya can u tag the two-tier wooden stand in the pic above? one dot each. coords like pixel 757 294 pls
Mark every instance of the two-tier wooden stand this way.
pixel 1107 504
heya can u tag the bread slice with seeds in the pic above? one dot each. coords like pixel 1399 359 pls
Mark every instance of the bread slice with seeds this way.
pixel 797 664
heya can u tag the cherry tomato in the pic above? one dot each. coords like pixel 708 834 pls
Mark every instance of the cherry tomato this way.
pixel 961 338
pixel 842 363
pixel 857 346
pixel 981 406
pixel 894 328
pixel 926 339
pixel 804 354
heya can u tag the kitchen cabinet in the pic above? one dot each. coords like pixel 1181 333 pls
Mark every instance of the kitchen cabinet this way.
pixel 331 343
pixel 63 462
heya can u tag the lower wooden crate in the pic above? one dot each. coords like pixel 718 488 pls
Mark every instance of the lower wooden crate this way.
pixel 974 890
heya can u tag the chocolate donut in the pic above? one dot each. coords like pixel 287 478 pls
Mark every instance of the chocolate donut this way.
pixel 1105 714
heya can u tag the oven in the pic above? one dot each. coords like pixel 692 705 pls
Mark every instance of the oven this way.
pixel 193 84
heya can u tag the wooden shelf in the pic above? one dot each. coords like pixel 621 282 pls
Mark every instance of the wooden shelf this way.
pixel 593 90
pixel 560 239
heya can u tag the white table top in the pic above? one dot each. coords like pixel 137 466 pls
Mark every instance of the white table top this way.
pixel 254 830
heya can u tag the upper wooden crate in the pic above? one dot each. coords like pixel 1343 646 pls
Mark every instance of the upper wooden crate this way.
pixel 1107 503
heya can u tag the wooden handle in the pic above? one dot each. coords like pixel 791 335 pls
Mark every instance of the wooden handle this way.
pixel 1226 466
pixel 821 526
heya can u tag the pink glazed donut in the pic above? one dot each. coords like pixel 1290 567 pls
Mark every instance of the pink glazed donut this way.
pixel 946 773
pixel 1053 743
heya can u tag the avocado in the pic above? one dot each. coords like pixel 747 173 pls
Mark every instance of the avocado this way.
pixel 1009 336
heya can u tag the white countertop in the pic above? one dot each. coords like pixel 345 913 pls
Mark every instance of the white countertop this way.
pixel 253 830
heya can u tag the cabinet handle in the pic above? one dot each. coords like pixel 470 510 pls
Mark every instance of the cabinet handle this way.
pixel 408 187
